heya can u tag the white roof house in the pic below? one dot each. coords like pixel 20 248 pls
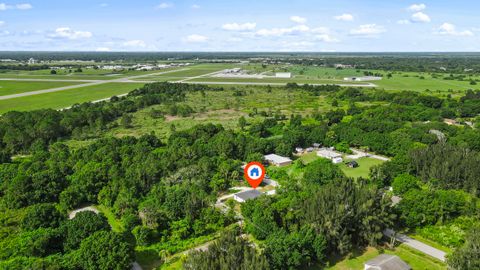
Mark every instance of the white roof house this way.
pixel 244 196
pixel 283 75
pixel 330 154
pixel 278 160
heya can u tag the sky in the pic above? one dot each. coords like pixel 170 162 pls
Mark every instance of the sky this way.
pixel 240 25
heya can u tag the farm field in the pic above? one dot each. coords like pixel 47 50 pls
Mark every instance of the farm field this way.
pixel 66 98
pixel 15 87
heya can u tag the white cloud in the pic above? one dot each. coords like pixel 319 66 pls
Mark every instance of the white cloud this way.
pixel 283 31
pixel 195 38
pixel 298 19
pixel 4 6
pixel 451 30
pixel 417 7
pixel 67 33
pixel 164 5
pixel 195 6
pixel 345 17
pixel 403 22
pixel 367 30
pixel 420 17
pixel 4 33
pixel 24 6
pixel 103 5
pixel 136 43
pixel 326 38
pixel 234 39
pixel 320 30
pixel 2 23
pixel 297 45
pixel 103 49
pixel 239 26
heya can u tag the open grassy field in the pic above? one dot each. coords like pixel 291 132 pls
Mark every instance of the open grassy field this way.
pixel 223 107
pixel 87 74
pixel 362 170
pixel 66 98
pixel 15 87
pixel 416 260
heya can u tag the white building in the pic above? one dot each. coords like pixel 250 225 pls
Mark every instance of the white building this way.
pixel 31 61
pixel 278 160
pixel 362 79
pixel 330 154
pixel 286 75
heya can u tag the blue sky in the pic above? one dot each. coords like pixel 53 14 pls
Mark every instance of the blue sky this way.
pixel 247 25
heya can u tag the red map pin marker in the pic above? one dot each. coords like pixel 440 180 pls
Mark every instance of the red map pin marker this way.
pixel 254 173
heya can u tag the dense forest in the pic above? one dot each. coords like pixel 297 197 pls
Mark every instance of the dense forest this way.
pixel 163 192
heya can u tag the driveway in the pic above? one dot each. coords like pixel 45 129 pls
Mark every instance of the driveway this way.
pixel 422 247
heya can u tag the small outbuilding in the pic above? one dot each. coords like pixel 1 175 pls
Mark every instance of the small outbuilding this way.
pixel 278 160
pixel 244 196
pixel 352 164
pixel 387 262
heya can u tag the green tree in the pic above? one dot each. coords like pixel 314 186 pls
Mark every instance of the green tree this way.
pixel 41 216
pixel 105 250
pixel 322 171
pixel 83 225
pixel 126 121
pixel 231 251
pixel 468 256
pixel 403 183
pixel 242 122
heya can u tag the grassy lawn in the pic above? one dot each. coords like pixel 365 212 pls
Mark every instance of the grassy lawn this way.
pixel 66 98
pixel 363 169
pixel 116 224
pixel 416 260
pixel 15 87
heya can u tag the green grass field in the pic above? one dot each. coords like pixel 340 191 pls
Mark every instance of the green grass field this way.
pixel 362 170
pixel 66 98
pixel 15 87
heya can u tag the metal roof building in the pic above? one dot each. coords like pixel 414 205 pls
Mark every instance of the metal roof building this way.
pixel 246 195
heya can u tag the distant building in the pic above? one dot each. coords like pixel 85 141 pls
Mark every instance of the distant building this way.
pixel 287 75
pixel 316 145
pixel 31 61
pixel 330 154
pixel 299 150
pixel 278 160
pixel 387 262
pixel 244 196
pixel 362 79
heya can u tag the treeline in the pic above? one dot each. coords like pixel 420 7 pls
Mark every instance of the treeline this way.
pixel 20 131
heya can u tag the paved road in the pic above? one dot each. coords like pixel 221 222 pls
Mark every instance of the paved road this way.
pixel 91 208
pixel 359 154
pixel 91 83
pixel 422 247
